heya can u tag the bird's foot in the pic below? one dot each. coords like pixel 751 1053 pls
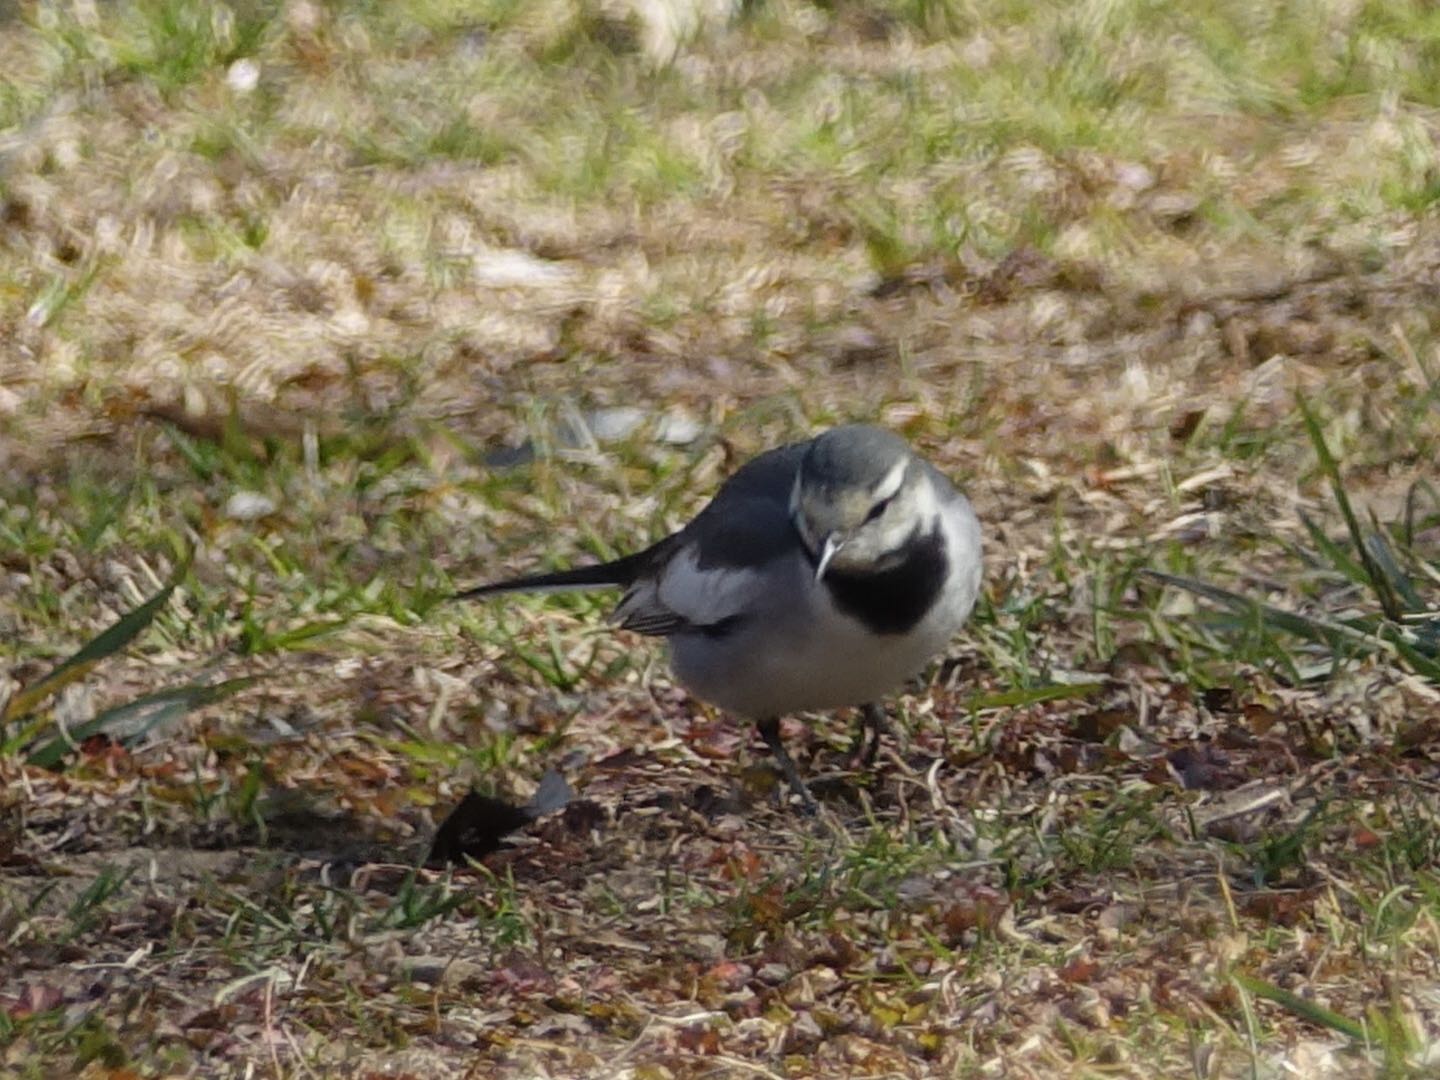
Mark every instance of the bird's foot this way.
pixel 770 731
pixel 866 745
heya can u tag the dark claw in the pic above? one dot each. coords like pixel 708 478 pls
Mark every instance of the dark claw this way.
pixel 770 731
pixel 866 745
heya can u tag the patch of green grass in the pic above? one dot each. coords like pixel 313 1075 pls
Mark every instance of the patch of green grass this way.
pixel 1104 838
pixel 174 42
pixel 169 43
pixel 89 905
pixel 1398 581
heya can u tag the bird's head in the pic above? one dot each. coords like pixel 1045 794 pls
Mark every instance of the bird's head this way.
pixel 860 496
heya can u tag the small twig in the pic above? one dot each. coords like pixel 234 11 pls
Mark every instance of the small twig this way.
pixel 1260 801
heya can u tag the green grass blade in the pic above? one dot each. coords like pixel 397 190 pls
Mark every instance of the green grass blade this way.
pixel 1338 556
pixel 27 733
pixel 1412 507
pixel 1306 1010
pixel 1378 583
pixel 1384 559
pixel 109 642
pixel 1331 634
pixel 1034 695
pixel 136 718
pixel 300 635
pixel 1350 637
pixel 1424 665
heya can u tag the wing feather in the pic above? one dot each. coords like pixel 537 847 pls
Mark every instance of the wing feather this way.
pixel 714 570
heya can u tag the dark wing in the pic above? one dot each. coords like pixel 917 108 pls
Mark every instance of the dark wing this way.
pixel 710 573
pixel 701 577
pixel 747 524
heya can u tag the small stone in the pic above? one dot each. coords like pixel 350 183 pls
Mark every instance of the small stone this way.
pixel 614 424
pixel 243 76
pixel 510 457
pixel 439 971
pixel 1134 176
pixel 508 269
pixel 678 428
pixel 804 1033
pixel 730 975
pixel 351 322
pixel 249 506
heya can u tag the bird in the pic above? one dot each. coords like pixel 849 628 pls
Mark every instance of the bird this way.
pixel 821 575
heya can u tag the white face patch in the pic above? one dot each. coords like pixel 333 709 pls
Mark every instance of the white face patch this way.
pixel 924 504
pixel 865 542
pixel 891 482
pixel 876 543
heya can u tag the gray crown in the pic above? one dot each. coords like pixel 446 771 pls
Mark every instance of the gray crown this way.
pixel 855 455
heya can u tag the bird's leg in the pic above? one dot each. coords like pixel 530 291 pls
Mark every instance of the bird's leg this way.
pixel 769 729
pixel 867 736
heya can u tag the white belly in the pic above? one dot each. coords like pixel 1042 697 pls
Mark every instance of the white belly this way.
pixel 808 655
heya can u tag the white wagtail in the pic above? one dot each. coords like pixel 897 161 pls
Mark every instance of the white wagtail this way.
pixel 823 574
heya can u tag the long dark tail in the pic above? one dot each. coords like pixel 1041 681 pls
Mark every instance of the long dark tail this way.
pixel 616 574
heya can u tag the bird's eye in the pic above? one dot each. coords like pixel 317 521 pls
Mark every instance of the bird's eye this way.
pixel 877 510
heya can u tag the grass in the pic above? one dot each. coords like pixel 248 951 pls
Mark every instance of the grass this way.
pixel 1151 282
